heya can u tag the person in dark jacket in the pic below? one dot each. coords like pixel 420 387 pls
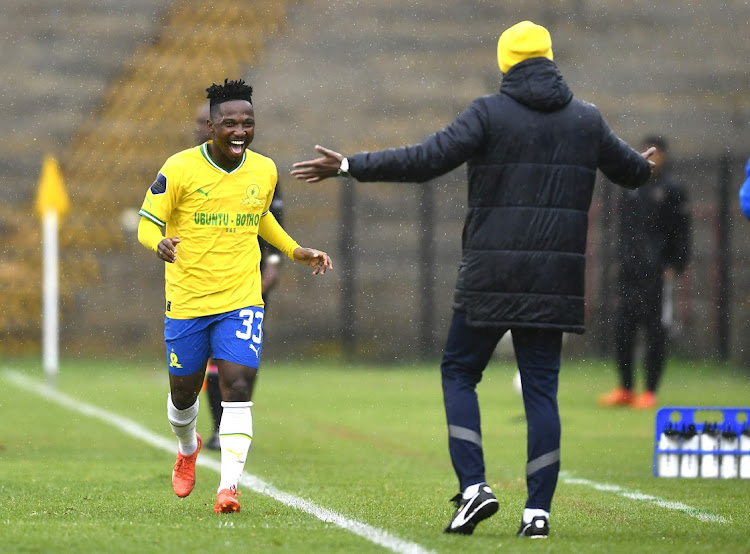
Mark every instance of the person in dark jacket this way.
pixel 654 246
pixel 532 152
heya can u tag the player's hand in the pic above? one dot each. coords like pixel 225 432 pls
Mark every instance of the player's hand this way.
pixel 319 261
pixel 320 168
pixel 167 249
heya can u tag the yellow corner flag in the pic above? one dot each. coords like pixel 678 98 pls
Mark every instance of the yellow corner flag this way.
pixel 51 194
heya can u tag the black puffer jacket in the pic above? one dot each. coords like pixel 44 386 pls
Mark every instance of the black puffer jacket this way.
pixel 532 153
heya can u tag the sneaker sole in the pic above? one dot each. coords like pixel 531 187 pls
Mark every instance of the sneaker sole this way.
pixel 521 534
pixel 485 510
pixel 488 509
pixel 532 536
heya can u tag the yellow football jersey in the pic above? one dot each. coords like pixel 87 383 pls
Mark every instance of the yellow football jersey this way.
pixel 215 214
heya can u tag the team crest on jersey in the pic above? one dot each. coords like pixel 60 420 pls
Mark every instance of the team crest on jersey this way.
pixel 160 185
pixel 253 193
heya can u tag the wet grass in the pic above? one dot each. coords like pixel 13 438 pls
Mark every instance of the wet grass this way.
pixel 368 443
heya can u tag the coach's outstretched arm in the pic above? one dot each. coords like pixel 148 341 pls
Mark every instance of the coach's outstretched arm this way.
pixel 330 165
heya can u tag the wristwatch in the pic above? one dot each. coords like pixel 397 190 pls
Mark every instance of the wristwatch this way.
pixel 344 167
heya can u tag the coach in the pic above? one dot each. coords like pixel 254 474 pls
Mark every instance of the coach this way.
pixel 532 152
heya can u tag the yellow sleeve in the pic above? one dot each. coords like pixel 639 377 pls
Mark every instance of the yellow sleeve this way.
pixel 149 234
pixel 270 230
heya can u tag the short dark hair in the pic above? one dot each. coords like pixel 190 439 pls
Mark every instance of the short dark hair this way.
pixel 656 140
pixel 230 90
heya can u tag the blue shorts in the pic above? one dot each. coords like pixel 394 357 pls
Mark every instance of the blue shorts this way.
pixel 236 336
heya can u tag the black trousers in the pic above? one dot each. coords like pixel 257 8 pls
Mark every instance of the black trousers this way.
pixel 640 307
pixel 467 352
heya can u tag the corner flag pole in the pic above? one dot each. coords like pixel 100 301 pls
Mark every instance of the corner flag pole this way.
pixel 51 205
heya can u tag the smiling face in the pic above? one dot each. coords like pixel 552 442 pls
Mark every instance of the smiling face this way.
pixel 232 124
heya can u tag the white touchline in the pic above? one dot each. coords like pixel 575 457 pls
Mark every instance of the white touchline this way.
pixel 569 479
pixel 372 534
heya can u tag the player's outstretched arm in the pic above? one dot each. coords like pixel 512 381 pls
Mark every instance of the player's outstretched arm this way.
pixel 319 261
pixel 328 165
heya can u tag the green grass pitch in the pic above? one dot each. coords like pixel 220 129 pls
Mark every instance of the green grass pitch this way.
pixel 368 443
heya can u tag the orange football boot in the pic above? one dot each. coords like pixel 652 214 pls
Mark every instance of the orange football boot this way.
pixel 645 401
pixel 226 501
pixel 618 397
pixel 183 474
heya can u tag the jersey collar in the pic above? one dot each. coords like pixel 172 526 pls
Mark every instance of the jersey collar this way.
pixel 207 156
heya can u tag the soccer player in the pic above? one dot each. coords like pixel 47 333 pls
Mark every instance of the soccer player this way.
pixel 214 200
pixel 532 152
pixel 270 266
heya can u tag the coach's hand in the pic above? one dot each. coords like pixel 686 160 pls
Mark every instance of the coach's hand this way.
pixel 648 153
pixel 319 261
pixel 329 165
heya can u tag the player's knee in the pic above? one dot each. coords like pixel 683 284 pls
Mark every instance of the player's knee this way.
pixel 239 389
pixel 183 398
